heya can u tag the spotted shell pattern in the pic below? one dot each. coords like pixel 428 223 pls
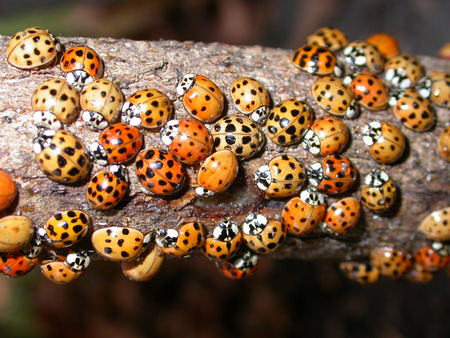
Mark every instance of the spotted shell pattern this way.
pixel 316 60
pixel 385 141
pixel 330 37
pixel 435 226
pixel 262 235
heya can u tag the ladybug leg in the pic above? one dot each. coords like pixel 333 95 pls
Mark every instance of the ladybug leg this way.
pixel 98 153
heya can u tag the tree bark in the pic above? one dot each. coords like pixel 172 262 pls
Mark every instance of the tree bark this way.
pixel 422 176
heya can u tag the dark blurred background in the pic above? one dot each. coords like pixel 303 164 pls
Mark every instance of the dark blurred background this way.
pixel 189 298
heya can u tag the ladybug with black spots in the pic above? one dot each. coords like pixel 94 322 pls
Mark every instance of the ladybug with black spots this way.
pixel 19 263
pixel 107 187
pixel 189 140
pixel 201 97
pixel 182 241
pixel 391 262
pixel 147 108
pixel 160 172
pixel 251 98
pixel 82 64
pixel 435 226
pixel 432 260
pixel 343 215
pixel 363 273
pixel 288 122
pixel 240 266
pixel 303 214
pixel 335 174
pixel 363 55
pixel 225 241
pixel 369 90
pixel 316 60
pixel 261 235
pixel 380 192
pixel 403 71
pixel 436 88
pixel 62 156
pixel 119 243
pixel 33 48
pixel 238 134
pixel 65 228
pixel 385 141
pixel 119 143
pixel 63 269
pixel 330 37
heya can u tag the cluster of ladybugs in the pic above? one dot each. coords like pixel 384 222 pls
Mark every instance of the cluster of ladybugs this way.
pixel 217 152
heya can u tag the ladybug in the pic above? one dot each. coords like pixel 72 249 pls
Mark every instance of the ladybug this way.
pixel 327 136
pixel 250 98
pixel 380 192
pixel 183 241
pixel 430 259
pixel 391 262
pixel 145 266
pixel 363 55
pixel 8 190
pixel 335 174
pixel 160 172
pixel 55 102
pixel 385 43
pixel 240 266
pixel 63 270
pixel 101 103
pixel 316 60
pixel 304 214
pixel 119 143
pixel 62 156
pixel 385 141
pixel 148 108
pixel 444 144
pixel 330 37
pixel 417 274
pixel 188 140
pixel 107 187
pixel 335 97
pixel 403 71
pixel 15 232
pixel 363 273
pixel 202 99
pixel 343 215
pixel 436 88
pixel 119 243
pixel 370 91
pixel 239 134
pixel 435 225
pixel 217 173
pixel 33 48
pixel 19 263
pixel 415 112
pixel 283 176
pixel 65 228
pixel 82 64
pixel 261 235
pixel 225 241
pixel 288 122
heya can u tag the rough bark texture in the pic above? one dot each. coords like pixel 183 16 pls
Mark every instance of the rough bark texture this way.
pixel 422 176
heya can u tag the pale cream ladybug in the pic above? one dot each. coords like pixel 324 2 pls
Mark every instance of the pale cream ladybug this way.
pixel 101 103
pixel 250 98
pixel 145 266
pixel 55 102
pixel 15 232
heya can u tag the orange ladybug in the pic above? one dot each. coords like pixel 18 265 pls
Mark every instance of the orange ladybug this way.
pixel 363 273
pixel 330 37
pixel 385 141
pixel 261 235
pixel 444 144
pixel 304 214
pixel 370 91
pixel 327 136
pixel 436 88
pixel 8 190
pixel 380 192
pixel 343 215
pixel 225 241
pixel 316 60
pixel 183 241
pixel 240 266
pixel 333 175
pixel 217 173
pixel 188 140
pixel 201 98
pixel 385 43
pixel 82 64
pixel 430 259
pixel 160 172
pixel 435 225
pixel 391 262
pixel 363 55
